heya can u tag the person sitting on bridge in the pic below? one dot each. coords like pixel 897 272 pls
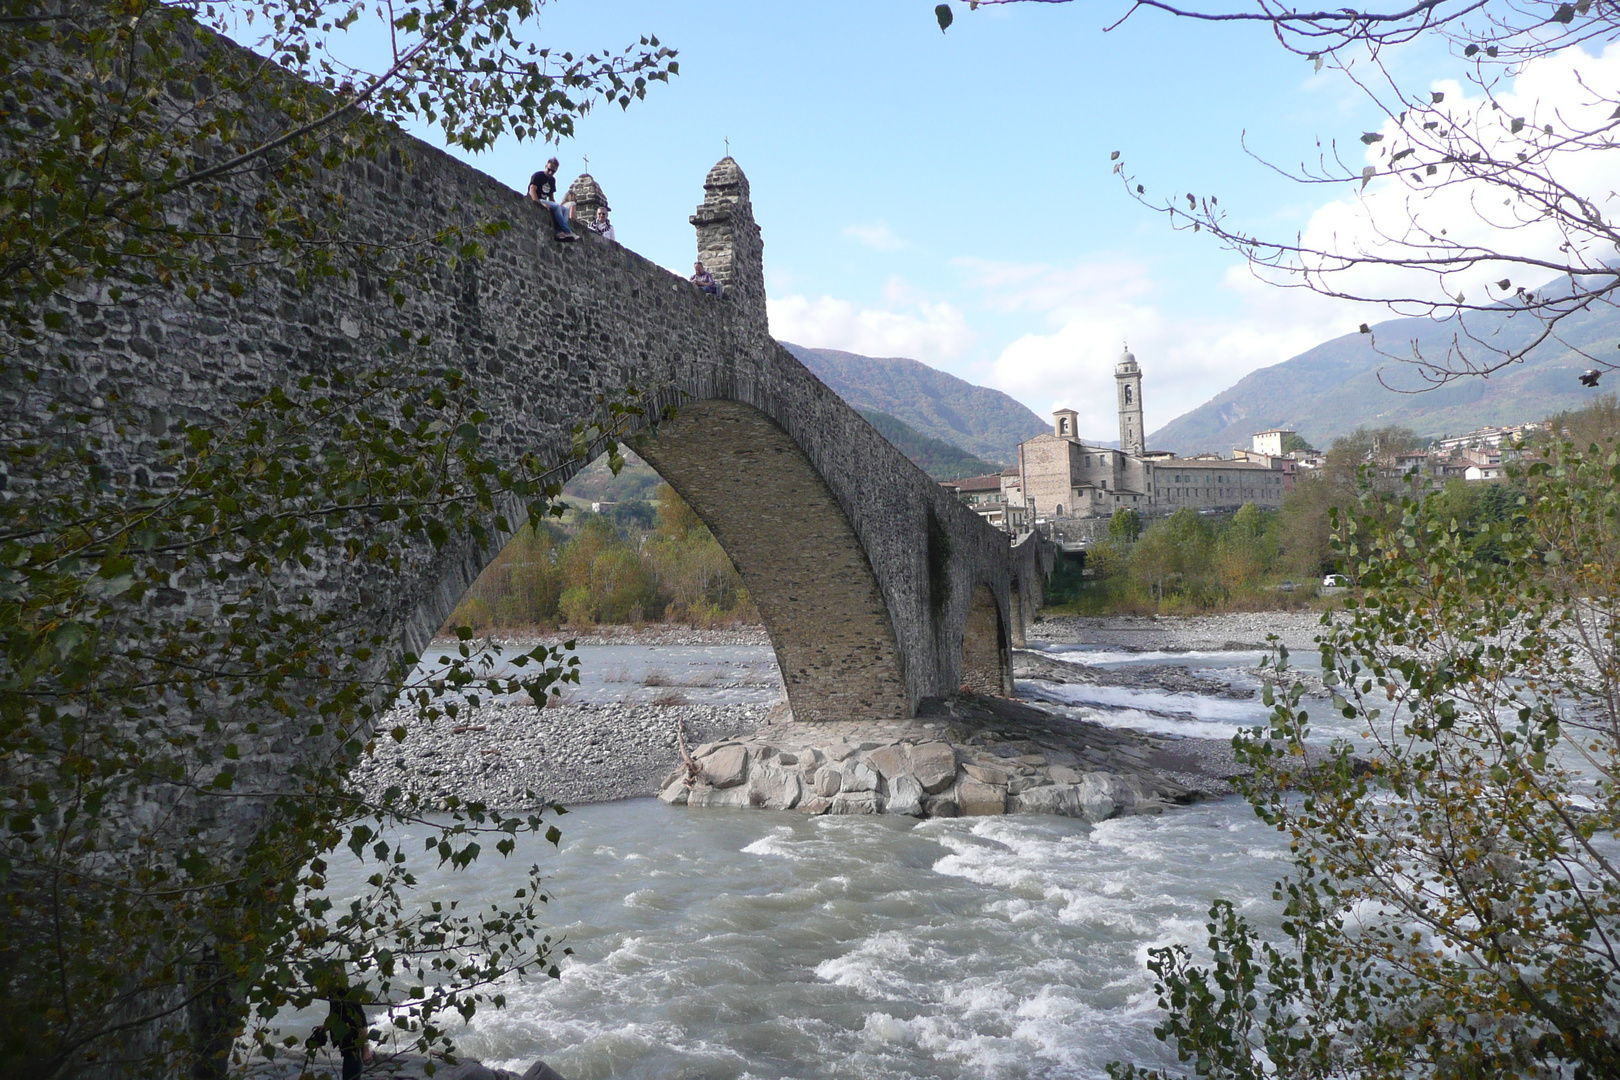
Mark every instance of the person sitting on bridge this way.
pixel 705 280
pixel 602 226
pixel 543 190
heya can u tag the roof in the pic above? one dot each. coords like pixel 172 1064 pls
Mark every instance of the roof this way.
pixel 987 482
pixel 1211 463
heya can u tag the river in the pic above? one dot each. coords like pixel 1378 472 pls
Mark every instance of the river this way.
pixel 731 944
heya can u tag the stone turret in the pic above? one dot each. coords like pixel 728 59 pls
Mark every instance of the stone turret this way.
pixel 1128 379
pixel 728 241
pixel 586 195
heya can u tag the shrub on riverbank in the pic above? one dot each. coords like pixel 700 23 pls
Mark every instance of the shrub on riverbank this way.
pixel 609 570
pixel 1454 897
pixel 1258 559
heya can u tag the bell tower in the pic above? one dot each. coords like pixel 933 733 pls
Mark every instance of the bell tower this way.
pixel 1128 381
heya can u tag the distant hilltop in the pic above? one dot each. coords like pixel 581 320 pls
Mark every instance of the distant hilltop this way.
pixel 986 423
pixel 1334 388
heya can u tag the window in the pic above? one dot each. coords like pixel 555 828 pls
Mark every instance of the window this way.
pixel 1127 393
pixel 1063 425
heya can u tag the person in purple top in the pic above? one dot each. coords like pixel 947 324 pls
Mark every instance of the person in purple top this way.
pixel 705 280
pixel 543 190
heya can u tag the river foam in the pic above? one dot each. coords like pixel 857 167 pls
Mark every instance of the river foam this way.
pixel 732 944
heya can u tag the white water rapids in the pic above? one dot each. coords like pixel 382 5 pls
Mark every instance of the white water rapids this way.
pixel 731 944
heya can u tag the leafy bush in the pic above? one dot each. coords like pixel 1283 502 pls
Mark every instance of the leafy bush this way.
pixel 1455 894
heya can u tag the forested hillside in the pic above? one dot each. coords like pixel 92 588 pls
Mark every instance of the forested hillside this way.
pixel 984 422
pixel 936 457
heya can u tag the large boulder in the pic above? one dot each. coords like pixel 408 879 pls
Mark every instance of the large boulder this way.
pixel 1026 781
pixel 541 1071
pixel 1061 799
pixel 977 798
pixel 726 767
pixel 829 781
pixel 858 802
pixel 890 761
pixel 772 788
pixel 675 792
pixel 707 795
pixel 985 774
pixel 1101 796
pixel 905 796
pixel 933 764
pixel 859 776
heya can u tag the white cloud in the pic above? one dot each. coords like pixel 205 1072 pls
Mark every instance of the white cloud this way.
pixel 1096 304
pixel 1389 213
pixel 930 332
pixel 876 235
pixel 1096 307
pixel 1057 291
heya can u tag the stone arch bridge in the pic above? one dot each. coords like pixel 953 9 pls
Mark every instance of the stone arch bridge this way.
pixel 878 589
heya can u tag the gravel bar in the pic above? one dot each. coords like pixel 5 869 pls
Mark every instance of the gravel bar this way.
pixel 1181 633
pixel 570 754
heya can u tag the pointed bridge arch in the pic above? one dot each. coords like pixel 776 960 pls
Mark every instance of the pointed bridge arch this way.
pixel 863 568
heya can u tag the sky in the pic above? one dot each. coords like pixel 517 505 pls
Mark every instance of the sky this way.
pixel 951 198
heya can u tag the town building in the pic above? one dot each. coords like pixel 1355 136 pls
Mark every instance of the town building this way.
pixel 996 497
pixel 1062 477
pixel 1271 442
pixel 1491 438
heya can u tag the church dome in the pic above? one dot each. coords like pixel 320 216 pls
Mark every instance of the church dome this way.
pixel 1127 363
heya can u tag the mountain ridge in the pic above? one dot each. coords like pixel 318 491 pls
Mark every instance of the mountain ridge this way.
pixel 985 423
pixel 1333 388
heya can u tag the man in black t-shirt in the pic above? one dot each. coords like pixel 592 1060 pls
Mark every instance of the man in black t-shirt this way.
pixel 543 190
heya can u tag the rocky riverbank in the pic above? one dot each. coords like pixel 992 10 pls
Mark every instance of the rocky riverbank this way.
pixel 1175 633
pixel 970 755
pixel 648 634
pixel 569 754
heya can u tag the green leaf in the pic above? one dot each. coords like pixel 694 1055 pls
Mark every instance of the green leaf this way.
pixel 942 15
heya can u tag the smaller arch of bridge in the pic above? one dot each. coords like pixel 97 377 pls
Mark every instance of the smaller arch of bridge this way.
pixel 985 666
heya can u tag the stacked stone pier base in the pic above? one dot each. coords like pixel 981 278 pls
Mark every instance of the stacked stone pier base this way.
pixel 971 756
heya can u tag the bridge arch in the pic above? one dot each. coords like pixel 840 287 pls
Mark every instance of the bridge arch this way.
pixel 833 530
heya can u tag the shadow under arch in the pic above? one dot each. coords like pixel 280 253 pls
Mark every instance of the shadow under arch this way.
pixel 796 552
pixel 985 667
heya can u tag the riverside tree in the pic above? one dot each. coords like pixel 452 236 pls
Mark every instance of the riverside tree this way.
pixel 140 937
pixel 1455 899
pixel 1470 206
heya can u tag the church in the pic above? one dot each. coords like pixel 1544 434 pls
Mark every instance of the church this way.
pixel 1060 476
